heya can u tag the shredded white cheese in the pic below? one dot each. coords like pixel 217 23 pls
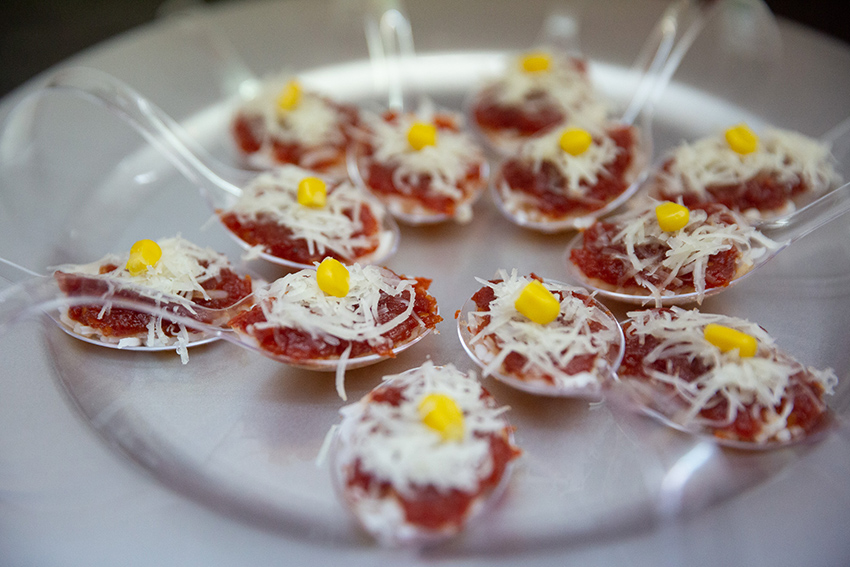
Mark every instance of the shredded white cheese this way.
pixel 394 445
pixel 550 348
pixel 446 163
pixel 175 279
pixel 761 380
pixel 789 157
pixel 336 227
pixel 682 252
pixel 179 272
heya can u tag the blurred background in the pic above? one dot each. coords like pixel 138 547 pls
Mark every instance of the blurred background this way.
pixel 35 34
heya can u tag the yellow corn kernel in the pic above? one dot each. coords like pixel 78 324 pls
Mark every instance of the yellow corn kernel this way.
pixel 726 339
pixel 422 134
pixel 538 303
pixel 672 216
pixel 312 192
pixel 741 139
pixel 332 277
pixel 575 141
pixel 289 96
pixel 143 254
pixel 536 62
pixel 442 414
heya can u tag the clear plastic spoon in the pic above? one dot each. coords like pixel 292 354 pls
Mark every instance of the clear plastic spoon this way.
pixel 219 184
pixel 670 40
pixel 783 231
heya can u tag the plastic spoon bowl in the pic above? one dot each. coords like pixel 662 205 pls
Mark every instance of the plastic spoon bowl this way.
pixel 219 184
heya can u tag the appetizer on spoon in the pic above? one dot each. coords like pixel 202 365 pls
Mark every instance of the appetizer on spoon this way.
pixel 172 276
pixel 546 88
pixel 285 122
pixel 541 336
pixel 762 176
pixel 566 178
pixel 293 214
pixel 720 376
pixel 665 253
pixel 337 317
pixel 422 454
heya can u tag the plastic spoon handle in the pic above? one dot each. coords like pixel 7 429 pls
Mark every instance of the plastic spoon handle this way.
pixel 561 30
pixel 390 41
pixel 13 273
pixel 217 181
pixel 671 38
pixel 816 214
pixel 236 77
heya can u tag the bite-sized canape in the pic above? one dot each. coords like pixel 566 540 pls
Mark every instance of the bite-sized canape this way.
pixel 722 376
pixel 539 91
pixel 172 274
pixel 422 454
pixel 286 123
pixel 421 165
pixel 336 317
pixel 298 218
pixel 759 176
pixel 541 336
pixel 566 178
pixel 665 251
